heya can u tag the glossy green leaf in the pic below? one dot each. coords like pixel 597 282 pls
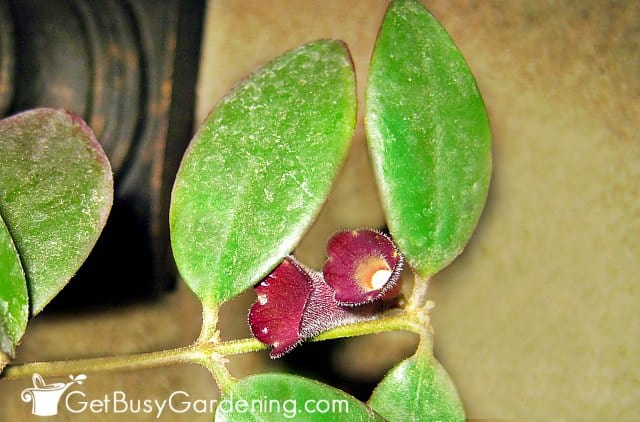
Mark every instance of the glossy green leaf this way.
pixel 418 389
pixel 14 299
pixel 259 169
pixel 429 137
pixel 56 190
pixel 278 397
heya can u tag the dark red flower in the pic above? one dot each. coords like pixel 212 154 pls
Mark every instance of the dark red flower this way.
pixel 296 303
pixel 275 317
pixel 361 266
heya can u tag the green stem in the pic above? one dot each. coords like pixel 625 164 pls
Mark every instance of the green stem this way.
pixel 402 321
pixel 209 331
pixel 4 361
pixel 209 354
pixel 418 298
pixel 137 361
pixel 236 347
pixel 216 364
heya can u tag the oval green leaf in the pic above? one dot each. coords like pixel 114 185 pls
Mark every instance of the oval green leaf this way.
pixel 56 190
pixel 278 397
pixel 259 169
pixel 418 389
pixel 428 135
pixel 14 299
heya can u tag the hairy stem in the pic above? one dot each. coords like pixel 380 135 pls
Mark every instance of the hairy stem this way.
pixel 402 321
pixel 210 354
pixel 216 364
pixel 4 361
pixel 112 363
pixel 418 298
pixel 209 331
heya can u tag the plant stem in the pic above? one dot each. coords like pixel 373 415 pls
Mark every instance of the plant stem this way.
pixel 209 331
pixel 209 354
pixel 402 321
pixel 418 298
pixel 137 361
pixel 4 361
pixel 216 364
pixel 236 347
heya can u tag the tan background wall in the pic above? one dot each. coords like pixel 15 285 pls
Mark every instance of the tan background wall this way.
pixel 539 318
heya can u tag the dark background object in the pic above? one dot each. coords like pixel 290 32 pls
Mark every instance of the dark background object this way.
pixel 6 58
pixel 129 68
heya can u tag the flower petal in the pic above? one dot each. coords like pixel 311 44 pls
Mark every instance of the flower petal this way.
pixel 323 312
pixel 275 317
pixel 294 304
pixel 362 266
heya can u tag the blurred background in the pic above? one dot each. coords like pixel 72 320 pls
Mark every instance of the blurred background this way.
pixel 538 319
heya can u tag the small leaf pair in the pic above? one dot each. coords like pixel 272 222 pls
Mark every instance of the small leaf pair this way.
pixel 296 303
pixel 417 389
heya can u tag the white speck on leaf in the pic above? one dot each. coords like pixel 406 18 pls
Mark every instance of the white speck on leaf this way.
pixel 268 195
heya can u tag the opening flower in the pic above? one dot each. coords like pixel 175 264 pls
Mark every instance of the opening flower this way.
pixel 361 266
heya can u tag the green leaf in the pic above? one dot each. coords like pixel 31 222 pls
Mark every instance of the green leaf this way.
pixel 56 190
pixel 259 169
pixel 418 389
pixel 278 397
pixel 14 299
pixel 429 137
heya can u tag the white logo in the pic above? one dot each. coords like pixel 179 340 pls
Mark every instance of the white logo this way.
pixel 45 397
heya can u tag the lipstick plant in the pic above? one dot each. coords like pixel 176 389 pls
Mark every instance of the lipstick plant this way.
pixel 250 184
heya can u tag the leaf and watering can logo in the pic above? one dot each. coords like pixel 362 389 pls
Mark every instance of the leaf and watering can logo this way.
pixel 45 397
